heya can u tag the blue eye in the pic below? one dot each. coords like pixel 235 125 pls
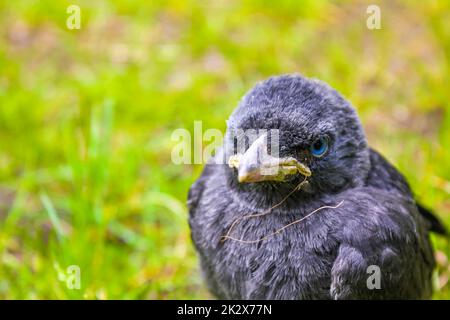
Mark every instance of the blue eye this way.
pixel 319 147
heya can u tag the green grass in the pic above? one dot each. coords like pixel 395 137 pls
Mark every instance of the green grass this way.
pixel 86 118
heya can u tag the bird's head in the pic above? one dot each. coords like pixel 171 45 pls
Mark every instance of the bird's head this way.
pixel 289 128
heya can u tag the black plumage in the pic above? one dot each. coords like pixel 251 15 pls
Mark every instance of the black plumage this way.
pixel 327 255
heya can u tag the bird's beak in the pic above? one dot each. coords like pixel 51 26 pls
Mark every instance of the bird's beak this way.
pixel 256 165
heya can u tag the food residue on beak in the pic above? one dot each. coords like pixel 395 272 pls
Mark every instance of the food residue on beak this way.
pixel 256 165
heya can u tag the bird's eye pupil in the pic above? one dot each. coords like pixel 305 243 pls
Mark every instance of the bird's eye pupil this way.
pixel 319 147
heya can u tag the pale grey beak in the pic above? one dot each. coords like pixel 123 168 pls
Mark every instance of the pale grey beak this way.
pixel 256 165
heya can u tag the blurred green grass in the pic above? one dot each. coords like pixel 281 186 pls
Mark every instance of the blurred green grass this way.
pixel 86 117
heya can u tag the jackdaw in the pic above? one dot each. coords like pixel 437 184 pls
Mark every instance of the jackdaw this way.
pixel 323 217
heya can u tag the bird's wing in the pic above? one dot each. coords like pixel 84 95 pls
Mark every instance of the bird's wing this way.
pixel 381 233
pixel 196 213
pixel 385 177
pixel 196 190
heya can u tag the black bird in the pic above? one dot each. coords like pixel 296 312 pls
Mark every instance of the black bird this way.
pixel 330 219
